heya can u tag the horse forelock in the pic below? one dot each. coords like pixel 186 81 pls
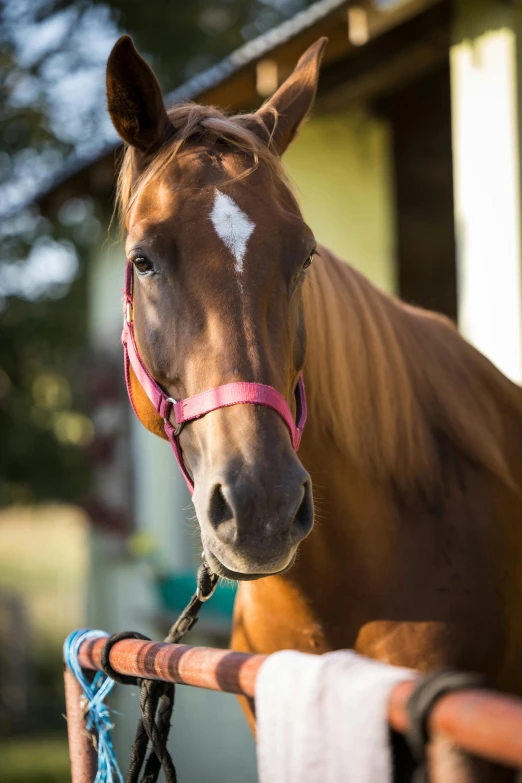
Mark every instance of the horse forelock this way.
pixel 245 134
pixel 392 382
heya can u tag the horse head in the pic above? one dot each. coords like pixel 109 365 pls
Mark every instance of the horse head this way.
pixel 219 252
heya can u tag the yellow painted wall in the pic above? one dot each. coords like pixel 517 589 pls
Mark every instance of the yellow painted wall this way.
pixel 340 165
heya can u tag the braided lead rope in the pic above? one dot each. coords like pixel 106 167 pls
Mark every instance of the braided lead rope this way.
pixel 156 697
pixel 98 722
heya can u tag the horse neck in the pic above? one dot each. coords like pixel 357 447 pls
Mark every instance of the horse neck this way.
pixel 387 382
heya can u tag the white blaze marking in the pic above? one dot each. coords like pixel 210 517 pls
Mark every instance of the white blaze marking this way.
pixel 232 226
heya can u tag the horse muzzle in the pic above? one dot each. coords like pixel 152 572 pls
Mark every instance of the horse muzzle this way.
pixel 250 530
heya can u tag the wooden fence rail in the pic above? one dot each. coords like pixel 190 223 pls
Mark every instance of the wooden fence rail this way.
pixel 486 724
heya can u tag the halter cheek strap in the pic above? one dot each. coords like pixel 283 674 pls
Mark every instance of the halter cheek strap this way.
pixel 182 411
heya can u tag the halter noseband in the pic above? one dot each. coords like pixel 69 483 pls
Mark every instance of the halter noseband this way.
pixel 195 407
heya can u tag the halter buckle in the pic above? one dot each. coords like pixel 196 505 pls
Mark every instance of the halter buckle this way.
pixel 177 427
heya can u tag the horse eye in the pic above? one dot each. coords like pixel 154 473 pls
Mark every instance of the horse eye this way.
pixel 309 260
pixel 143 265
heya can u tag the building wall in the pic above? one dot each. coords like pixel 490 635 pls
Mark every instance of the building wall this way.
pixel 340 165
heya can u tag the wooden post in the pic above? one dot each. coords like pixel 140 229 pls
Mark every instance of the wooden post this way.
pixel 84 763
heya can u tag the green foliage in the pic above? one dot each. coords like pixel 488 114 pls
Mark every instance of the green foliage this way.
pixel 39 342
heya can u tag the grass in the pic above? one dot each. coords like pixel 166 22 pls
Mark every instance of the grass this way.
pixel 35 760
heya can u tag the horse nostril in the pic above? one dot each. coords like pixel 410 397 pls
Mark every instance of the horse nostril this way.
pixel 304 518
pixel 221 516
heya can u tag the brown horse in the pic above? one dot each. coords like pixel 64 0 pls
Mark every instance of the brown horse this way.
pixel 413 441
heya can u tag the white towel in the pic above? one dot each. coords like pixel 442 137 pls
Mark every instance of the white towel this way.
pixel 323 718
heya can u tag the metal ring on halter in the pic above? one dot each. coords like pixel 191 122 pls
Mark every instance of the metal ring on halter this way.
pixel 212 578
pixel 204 598
pixel 177 427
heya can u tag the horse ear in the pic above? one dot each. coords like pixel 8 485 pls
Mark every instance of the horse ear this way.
pixel 285 111
pixel 134 99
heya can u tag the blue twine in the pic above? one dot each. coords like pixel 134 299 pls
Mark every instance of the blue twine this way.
pixel 96 711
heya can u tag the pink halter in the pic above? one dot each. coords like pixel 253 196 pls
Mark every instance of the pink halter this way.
pixel 238 393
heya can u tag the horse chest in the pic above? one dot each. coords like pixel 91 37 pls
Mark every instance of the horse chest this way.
pixel 271 615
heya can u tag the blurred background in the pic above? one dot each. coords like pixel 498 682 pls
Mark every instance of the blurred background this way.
pixel 410 168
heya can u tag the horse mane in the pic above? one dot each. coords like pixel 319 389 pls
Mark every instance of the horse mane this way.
pixel 410 384
pixel 243 133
